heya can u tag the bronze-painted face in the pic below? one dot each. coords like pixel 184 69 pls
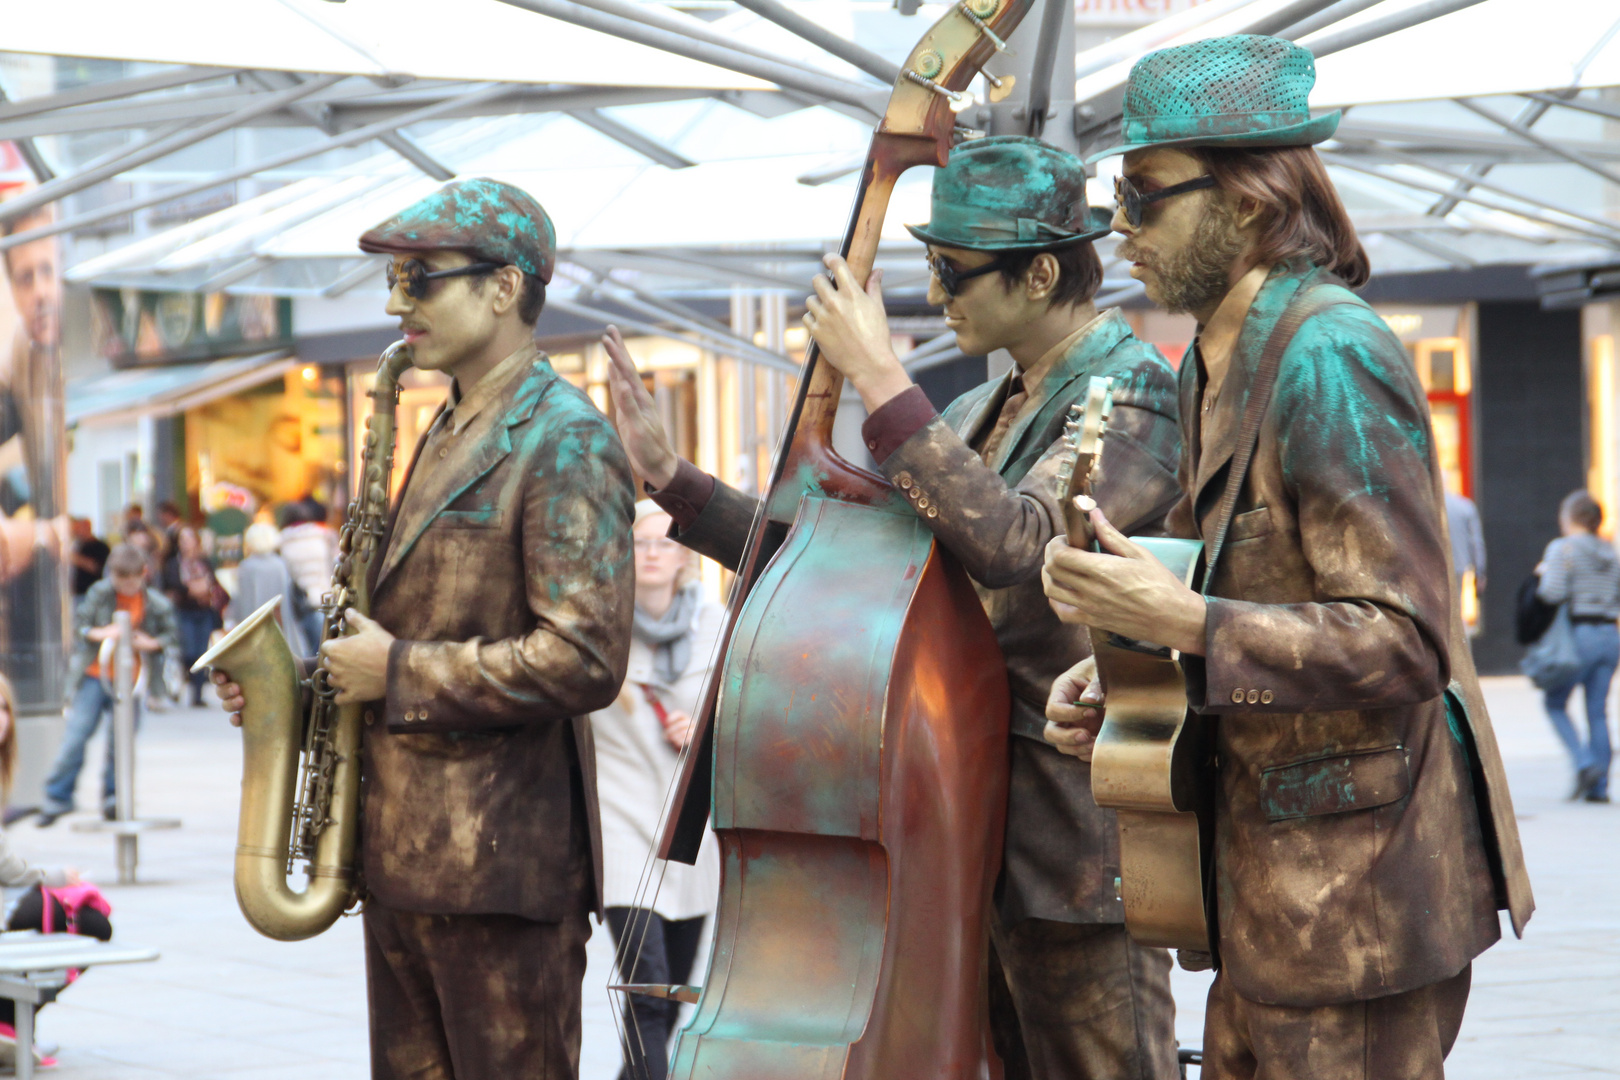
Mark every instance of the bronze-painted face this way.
pixel 985 313
pixel 1185 247
pixel 456 318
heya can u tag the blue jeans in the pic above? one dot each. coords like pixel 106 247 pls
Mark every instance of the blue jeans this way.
pixel 89 704
pixel 1598 645
pixel 195 625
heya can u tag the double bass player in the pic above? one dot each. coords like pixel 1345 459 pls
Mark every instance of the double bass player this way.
pixel 1009 243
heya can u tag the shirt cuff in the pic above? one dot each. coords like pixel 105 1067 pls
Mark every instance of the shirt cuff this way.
pixel 895 421
pixel 685 496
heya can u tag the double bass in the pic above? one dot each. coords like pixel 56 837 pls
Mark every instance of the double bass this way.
pixel 854 735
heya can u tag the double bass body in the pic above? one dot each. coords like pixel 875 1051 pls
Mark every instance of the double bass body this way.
pixel 860 790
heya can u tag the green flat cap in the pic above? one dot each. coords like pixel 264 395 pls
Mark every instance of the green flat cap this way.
pixel 485 218
pixel 1240 90
pixel 1009 193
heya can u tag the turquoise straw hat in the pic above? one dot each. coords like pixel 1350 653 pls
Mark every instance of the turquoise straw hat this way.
pixel 1010 193
pixel 1241 90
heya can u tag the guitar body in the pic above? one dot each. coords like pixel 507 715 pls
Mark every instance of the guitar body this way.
pixel 1148 768
pixel 860 789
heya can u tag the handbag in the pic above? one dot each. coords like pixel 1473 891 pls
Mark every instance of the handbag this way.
pixel 1553 661
pixel 1531 614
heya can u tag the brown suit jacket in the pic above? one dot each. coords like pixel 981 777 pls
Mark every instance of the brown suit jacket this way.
pixel 1061 855
pixel 1364 831
pixel 510 596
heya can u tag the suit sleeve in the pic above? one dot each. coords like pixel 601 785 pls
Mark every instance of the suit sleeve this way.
pixel 1000 531
pixel 1354 443
pixel 579 581
pixel 720 530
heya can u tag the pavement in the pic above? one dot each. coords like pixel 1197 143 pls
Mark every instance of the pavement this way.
pixel 225 1002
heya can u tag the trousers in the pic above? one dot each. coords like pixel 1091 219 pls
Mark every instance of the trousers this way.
pixel 90 703
pixel 652 949
pixel 1399 1037
pixel 1080 1002
pixel 473 997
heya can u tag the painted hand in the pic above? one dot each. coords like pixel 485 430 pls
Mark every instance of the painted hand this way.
pixel 1123 589
pixel 230 696
pixel 1073 710
pixel 358 664
pixel 636 417
pixel 852 330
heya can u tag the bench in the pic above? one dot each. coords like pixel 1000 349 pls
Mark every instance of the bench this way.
pixel 33 970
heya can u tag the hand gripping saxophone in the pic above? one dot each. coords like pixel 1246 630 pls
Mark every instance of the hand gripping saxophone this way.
pixel 307 811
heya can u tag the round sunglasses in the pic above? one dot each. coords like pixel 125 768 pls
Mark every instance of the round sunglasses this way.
pixel 413 275
pixel 1132 201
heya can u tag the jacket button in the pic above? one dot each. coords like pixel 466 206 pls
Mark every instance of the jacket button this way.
pixel 871 444
pixel 371 718
pixel 933 511
pixel 409 715
pixel 1254 697
pixel 1237 696
pixel 444 451
pixel 422 715
pixel 904 479
pixel 1265 697
pixel 922 502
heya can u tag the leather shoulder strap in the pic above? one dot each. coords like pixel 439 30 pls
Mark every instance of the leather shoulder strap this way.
pixel 1265 379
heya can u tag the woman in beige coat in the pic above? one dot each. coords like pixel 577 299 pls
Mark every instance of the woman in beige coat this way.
pixel 655 909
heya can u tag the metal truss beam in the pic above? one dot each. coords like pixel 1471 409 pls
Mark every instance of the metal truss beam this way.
pixel 352 277
pixel 1435 139
pixel 153 148
pixel 644 145
pixel 111 91
pixel 732 347
pixel 1326 17
pixel 663 19
pixel 1401 157
pixel 1562 150
pixel 1389 24
pixel 1580 104
pixel 1608 236
pixel 336 142
pixel 688 266
pixel 824 39
pixel 321 117
pixel 1418 241
pixel 820 86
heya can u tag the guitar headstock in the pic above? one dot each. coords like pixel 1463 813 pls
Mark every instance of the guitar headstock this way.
pixel 933 82
pixel 1084 432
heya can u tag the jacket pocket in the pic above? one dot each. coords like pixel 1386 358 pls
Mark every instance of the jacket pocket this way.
pixel 1336 784
pixel 1249 524
pixel 486 518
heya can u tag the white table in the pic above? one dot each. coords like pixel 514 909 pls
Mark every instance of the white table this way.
pixel 33 970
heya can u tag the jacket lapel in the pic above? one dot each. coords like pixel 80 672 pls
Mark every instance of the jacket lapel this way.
pixel 472 454
pixel 1097 342
pixel 981 417
pixel 1218 431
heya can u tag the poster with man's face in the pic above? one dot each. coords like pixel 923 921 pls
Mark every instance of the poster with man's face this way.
pixel 33 592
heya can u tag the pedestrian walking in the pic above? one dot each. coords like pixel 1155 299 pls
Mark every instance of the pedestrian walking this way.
pixel 1581 569
pixel 190 585
pixel 261 576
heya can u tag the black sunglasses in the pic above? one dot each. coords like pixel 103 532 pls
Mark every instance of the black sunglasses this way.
pixel 1131 200
pixel 950 278
pixel 413 275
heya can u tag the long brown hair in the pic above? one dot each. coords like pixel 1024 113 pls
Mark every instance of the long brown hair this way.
pixel 1305 218
pixel 8 745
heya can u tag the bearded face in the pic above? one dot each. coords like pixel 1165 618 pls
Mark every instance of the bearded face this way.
pixel 1184 250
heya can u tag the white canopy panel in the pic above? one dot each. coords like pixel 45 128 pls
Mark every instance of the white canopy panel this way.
pixel 476 40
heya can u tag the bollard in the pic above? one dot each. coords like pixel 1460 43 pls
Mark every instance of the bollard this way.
pixel 125 827
pixel 123 737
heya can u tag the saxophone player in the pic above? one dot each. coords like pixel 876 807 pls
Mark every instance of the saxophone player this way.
pixel 501 607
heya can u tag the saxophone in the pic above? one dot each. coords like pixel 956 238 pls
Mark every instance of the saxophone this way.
pixel 301 772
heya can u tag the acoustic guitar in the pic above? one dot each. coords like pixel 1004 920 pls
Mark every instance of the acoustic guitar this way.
pixel 1147 765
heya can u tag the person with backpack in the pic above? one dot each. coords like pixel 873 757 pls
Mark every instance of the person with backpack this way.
pixel 1582 570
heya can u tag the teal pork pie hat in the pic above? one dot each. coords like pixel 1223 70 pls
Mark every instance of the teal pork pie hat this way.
pixel 485 218
pixel 1009 193
pixel 1240 90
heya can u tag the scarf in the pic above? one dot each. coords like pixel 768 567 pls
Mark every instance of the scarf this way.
pixel 670 634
